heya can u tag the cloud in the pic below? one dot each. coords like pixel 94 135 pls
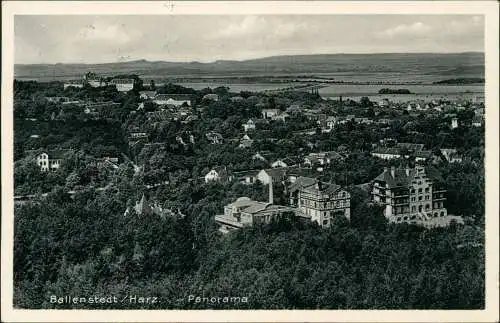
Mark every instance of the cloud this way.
pixel 107 32
pixel 464 26
pixel 417 29
pixel 271 28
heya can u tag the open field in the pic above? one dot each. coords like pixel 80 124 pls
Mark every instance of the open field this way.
pixel 390 68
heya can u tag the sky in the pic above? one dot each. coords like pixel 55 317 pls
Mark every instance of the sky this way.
pixel 207 38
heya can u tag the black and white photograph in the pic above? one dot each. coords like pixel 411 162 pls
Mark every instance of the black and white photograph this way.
pixel 181 160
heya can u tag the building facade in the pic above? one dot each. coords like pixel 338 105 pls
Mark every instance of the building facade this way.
pixel 409 195
pixel 320 202
pixel 246 212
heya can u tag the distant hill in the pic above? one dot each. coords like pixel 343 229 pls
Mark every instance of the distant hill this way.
pixel 470 64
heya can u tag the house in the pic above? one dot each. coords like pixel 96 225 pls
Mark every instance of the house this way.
pixel 215 138
pixel 451 155
pixel 477 121
pixel 346 119
pixel 319 201
pixel 285 162
pixel 138 135
pixel 331 121
pixel 245 142
pixel 281 117
pixel 411 195
pixel 479 112
pixel 146 95
pixel 321 159
pixel 122 84
pixel 384 103
pixel 422 155
pixel 386 153
pixel 411 147
pixel 249 125
pixel 454 123
pixel 245 212
pixel 246 177
pixel 51 160
pixel 175 100
pixel 363 120
pixel 384 121
pixel 75 84
pixel 93 80
pixel 210 97
pixel 218 174
pixel 270 113
pixel 274 175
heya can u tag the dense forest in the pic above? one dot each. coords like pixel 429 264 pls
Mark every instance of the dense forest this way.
pixel 82 244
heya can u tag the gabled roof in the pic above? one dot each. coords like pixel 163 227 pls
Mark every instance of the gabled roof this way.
pixel 410 146
pixel 276 172
pixel 314 186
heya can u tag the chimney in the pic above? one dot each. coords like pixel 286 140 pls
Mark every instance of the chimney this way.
pixel 271 192
pixel 393 172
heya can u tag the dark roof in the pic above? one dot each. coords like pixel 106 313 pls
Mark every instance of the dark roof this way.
pixel 276 172
pixel 56 154
pixel 311 185
pixel 410 146
pixel 403 180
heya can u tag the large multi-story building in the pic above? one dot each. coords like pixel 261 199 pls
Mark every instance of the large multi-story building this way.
pixel 319 201
pixel 409 194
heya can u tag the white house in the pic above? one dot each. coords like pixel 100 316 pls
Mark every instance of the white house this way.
pixel 123 85
pixel 246 142
pixel 50 160
pixel 217 174
pixel 172 99
pixel 387 153
pixel 210 97
pixel 249 125
pixel 76 84
pixel 274 175
pixel 270 113
pixel 147 94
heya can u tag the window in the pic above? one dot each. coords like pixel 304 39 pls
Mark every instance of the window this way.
pixel 420 198
pixel 412 191
pixel 442 213
pixel 427 197
pixel 420 208
pixel 413 208
pixel 420 190
pixel 427 207
pixel 325 222
pixel 413 199
pixel 426 190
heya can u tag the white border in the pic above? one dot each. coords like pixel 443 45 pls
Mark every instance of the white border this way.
pixel 487 8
